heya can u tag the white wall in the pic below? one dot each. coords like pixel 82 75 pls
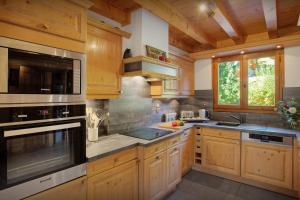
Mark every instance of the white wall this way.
pixel 146 29
pixel 155 32
pixel 292 66
pixel 203 74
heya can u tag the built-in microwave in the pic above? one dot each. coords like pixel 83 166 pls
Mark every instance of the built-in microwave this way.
pixel 32 73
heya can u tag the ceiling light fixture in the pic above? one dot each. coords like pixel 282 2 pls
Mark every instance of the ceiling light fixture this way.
pixel 278 46
pixel 203 7
pixel 242 52
pixel 213 56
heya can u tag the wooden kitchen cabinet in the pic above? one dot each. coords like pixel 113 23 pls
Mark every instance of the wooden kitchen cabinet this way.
pixel 155 178
pixel 221 154
pixel 186 74
pixel 187 152
pixel 46 22
pixel 183 85
pixel 104 61
pixel 173 167
pixel 119 183
pixel 73 190
pixel 267 163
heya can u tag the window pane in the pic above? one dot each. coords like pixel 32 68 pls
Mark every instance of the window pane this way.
pixel 229 83
pixel 261 81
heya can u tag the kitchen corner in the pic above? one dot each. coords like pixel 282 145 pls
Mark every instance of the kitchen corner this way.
pixel 149 100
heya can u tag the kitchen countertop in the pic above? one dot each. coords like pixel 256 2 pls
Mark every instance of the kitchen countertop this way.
pixel 111 144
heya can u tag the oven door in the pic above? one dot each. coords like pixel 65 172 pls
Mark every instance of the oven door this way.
pixel 30 152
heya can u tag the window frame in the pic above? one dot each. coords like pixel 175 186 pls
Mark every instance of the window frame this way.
pixel 243 106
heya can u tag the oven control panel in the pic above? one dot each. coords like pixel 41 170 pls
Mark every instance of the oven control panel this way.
pixel 18 114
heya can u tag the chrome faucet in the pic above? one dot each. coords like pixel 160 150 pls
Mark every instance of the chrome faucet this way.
pixel 241 118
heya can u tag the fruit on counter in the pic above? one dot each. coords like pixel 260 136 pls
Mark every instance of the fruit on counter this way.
pixel 177 123
pixel 174 124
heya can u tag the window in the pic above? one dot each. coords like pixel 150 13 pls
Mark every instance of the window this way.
pixel 250 82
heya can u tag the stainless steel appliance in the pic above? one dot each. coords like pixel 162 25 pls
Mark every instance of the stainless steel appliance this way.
pixel 267 138
pixel 32 73
pixel 40 147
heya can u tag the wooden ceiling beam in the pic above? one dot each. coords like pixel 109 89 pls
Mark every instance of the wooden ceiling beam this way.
pixel 269 8
pixel 102 7
pixel 228 25
pixel 173 17
pixel 286 41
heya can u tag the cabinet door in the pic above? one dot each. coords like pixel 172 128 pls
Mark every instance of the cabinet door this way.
pixel 74 190
pixel 185 75
pixel 173 167
pixel 221 154
pixel 46 16
pixel 267 163
pixel 120 183
pixel 186 156
pixel 103 63
pixel 170 87
pixel 155 176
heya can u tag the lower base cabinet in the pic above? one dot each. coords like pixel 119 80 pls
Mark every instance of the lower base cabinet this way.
pixel 74 190
pixel 173 167
pixel 221 154
pixel 155 176
pixel 270 164
pixel 119 183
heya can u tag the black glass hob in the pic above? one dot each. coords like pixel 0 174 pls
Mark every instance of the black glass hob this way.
pixel 148 133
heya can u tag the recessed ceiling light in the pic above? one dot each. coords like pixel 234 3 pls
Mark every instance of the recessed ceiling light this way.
pixel 242 52
pixel 203 7
pixel 213 56
pixel 278 46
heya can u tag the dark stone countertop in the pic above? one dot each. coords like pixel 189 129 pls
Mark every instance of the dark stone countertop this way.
pixel 111 144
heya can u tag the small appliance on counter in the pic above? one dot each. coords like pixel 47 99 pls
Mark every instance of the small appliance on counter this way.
pixel 170 117
pixel 189 116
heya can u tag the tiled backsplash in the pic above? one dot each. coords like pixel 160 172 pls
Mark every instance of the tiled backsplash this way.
pixel 204 99
pixel 135 108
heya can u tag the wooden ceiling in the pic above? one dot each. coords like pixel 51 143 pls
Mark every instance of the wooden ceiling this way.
pixel 224 23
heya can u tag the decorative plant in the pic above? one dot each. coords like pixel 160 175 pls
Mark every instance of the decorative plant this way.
pixel 290 111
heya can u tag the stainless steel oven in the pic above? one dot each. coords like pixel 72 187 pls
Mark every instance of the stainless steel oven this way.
pixel 32 73
pixel 40 147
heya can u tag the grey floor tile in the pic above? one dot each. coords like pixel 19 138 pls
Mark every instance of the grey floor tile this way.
pixel 200 186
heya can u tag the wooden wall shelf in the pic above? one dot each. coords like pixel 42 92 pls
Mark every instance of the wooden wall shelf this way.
pixel 149 60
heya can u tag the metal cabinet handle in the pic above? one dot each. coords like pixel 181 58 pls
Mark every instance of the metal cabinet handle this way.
pixel 22 116
pixel 45 89
pixel 66 113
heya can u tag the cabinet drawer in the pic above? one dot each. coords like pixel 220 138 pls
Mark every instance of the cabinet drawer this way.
pixel 155 148
pixel 109 162
pixel 230 134
pixel 173 141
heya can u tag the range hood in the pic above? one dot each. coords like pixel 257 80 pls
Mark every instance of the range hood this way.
pixel 150 68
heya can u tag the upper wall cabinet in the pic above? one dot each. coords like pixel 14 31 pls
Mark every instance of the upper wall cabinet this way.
pixel 104 60
pixel 183 86
pixel 56 23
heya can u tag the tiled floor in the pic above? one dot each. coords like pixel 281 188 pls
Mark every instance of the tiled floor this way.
pixel 199 186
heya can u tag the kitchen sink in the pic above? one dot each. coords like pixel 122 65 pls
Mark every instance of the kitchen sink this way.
pixel 227 124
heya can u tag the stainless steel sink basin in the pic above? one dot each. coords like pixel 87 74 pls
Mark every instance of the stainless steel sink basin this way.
pixel 227 124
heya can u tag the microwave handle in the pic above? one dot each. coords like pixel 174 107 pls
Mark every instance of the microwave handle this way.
pixel 3 70
pixel 28 131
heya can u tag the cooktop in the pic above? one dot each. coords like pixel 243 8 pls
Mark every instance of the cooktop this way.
pixel 148 133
